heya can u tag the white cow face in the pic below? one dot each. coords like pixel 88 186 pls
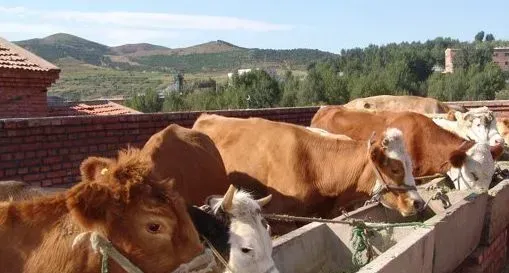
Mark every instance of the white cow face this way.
pixel 480 125
pixel 250 242
pixel 473 168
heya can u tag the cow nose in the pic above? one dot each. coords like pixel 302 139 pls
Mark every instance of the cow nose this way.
pixel 419 204
pixel 499 141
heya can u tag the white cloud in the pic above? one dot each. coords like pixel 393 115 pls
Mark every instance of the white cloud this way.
pixel 15 10
pixel 20 30
pixel 143 20
pixel 120 36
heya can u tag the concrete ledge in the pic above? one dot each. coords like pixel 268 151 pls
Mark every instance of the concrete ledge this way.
pixel 413 254
pixel 319 247
pixel 451 237
pixel 497 216
pixel 458 231
pixel 306 250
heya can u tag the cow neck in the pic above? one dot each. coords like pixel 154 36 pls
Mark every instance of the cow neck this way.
pixel 351 170
pixel 446 165
pixel 433 155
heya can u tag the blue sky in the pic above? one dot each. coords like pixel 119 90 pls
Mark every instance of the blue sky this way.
pixel 326 25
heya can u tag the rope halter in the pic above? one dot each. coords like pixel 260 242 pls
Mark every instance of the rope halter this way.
pixel 384 187
pixel 203 263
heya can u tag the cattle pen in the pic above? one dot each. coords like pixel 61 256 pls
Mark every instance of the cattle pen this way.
pixel 469 235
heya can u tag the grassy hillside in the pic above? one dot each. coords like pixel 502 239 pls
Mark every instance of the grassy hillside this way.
pixel 235 59
pixel 79 81
pixel 58 46
pixel 91 70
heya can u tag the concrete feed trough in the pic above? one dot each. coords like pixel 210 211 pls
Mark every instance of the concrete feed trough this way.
pixel 323 247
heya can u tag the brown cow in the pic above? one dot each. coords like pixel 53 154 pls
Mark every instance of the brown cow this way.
pixel 309 174
pixel 403 103
pixel 433 149
pixel 191 159
pixel 503 128
pixel 145 219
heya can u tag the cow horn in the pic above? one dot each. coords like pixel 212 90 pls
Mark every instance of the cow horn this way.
pixel 385 143
pixel 228 198
pixel 264 201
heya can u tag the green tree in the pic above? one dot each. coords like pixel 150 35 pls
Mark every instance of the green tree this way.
pixel 490 37
pixel 174 101
pixel 470 55
pixel 257 88
pixel 312 90
pixel 149 102
pixel 290 87
pixel 447 87
pixel 484 82
pixel 479 36
pixel 335 87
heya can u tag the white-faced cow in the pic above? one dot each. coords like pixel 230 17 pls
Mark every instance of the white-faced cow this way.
pixel 250 245
pixel 432 148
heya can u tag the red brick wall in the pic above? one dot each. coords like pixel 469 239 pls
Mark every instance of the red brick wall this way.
pixel 501 57
pixel 48 151
pixel 487 259
pixel 21 102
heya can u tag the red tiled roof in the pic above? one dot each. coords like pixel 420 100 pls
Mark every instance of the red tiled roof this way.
pixel 15 57
pixel 96 108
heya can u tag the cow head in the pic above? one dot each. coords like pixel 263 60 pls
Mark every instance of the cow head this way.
pixel 145 219
pixel 393 166
pixel 250 242
pixel 503 129
pixel 479 124
pixel 472 165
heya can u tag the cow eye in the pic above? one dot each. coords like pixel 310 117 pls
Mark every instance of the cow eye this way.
pixel 475 176
pixel 264 222
pixel 246 249
pixel 395 171
pixel 153 228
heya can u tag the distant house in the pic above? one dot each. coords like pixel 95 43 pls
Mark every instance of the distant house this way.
pixel 88 108
pixel 449 57
pixel 24 81
pixel 240 72
pixel 500 57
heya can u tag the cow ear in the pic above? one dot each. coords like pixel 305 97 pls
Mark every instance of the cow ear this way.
pixel 457 158
pixel 377 155
pixel 90 204
pixel 213 200
pixel 496 151
pixel 458 115
pixel 451 115
pixel 92 167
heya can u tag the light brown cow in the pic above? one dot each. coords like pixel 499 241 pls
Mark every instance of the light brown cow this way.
pixel 433 149
pixel 503 128
pixel 191 159
pixel 403 103
pixel 145 219
pixel 309 174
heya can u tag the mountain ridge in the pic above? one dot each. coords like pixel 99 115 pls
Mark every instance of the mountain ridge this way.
pixel 209 56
